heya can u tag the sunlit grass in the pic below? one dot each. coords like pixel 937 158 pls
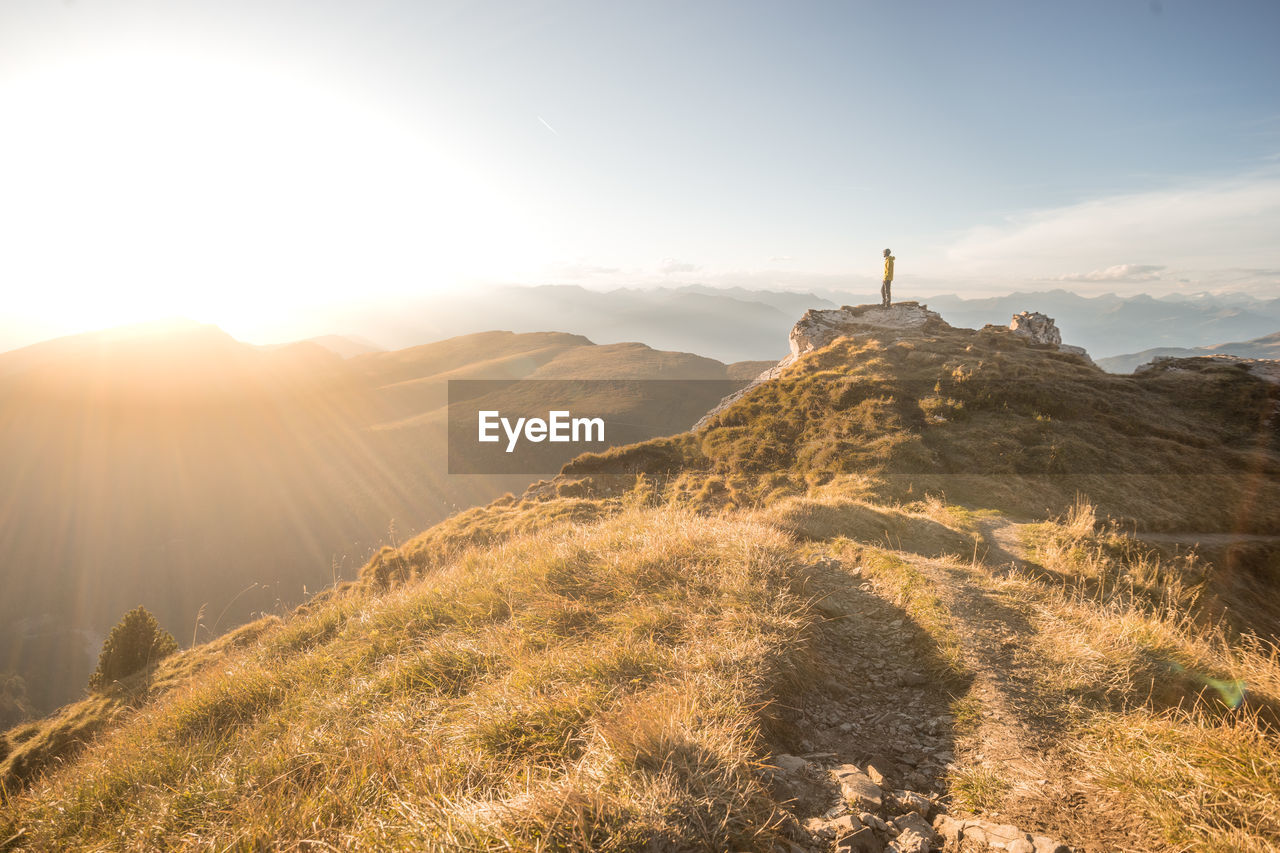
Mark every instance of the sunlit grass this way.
pixel 480 707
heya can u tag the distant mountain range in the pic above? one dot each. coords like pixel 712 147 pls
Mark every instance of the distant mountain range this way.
pixel 729 325
pixel 1267 346
pixel 736 324
pixel 1109 325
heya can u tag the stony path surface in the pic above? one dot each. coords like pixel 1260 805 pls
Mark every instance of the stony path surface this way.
pixel 876 702
pixel 883 704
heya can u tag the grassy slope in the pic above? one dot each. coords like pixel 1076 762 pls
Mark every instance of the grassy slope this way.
pixel 600 672
pixel 558 686
pixel 981 417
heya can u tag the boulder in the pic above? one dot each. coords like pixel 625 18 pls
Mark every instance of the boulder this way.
pixel 819 327
pixel 862 841
pixel 1040 328
pixel 910 842
pixel 914 823
pixel 858 788
pixel 918 803
pixel 997 835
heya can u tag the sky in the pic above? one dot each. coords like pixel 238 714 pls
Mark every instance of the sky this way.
pixel 245 162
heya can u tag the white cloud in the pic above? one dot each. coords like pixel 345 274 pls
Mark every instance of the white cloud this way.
pixel 670 266
pixel 579 271
pixel 1188 232
pixel 1119 272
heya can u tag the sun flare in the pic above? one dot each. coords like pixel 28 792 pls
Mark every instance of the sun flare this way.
pixel 135 187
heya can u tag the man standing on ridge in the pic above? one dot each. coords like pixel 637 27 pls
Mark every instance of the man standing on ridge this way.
pixel 888 279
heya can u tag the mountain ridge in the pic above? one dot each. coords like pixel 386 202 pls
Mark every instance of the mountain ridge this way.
pixel 1267 346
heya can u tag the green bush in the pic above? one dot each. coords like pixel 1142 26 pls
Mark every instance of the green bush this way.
pixel 136 642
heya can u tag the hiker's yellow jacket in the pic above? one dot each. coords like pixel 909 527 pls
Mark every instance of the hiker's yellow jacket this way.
pixel 888 268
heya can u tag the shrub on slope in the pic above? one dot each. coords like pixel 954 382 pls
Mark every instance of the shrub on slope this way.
pixel 135 643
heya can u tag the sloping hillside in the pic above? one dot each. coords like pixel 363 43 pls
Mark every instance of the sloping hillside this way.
pixel 986 417
pixel 173 466
pixel 776 634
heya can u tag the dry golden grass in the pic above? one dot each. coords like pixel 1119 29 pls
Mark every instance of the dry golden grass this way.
pixel 978 789
pixel 602 686
pixel 1173 715
pixel 480 527
pixel 29 749
pixel 1161 709
pixel 1199 782
pixel 1100 558
pixel 578 687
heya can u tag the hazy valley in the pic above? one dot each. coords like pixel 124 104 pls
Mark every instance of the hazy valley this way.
pixel 175 467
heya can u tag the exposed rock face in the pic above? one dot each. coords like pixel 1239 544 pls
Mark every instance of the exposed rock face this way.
pixel 817 328
pixel 1041 329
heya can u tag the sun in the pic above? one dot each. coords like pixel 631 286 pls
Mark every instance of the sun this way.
pixel 145 185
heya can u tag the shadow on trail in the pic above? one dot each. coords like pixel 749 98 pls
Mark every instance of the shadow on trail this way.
pixel 878 693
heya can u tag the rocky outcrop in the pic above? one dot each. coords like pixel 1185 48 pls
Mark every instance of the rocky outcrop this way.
pixel 1266 369
pixel 1041 329
pixel 817 328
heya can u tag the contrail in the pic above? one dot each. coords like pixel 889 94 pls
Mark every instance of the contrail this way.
pixel 547 126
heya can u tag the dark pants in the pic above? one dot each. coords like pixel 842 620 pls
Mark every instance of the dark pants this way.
pixel 884 293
